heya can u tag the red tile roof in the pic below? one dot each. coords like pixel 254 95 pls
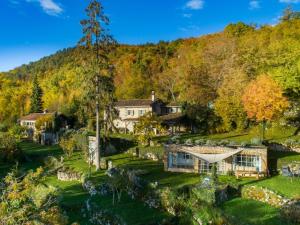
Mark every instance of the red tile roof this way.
pixel 35 116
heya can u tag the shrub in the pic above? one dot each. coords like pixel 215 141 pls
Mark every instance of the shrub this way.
pixel 175 139
pixel 3 127
pixel 223 143
pixel 245 144
pixel 291 212
pixel 210 143
pixel 9 148
pixel 256 141
pixel 17 132
pixel 27 200
pixel 205 194
pixel 200 142
pixel 290 143
pixel 68 145
pixel 189 142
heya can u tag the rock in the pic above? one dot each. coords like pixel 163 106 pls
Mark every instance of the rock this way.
pixel 103 164
pixel 110 164
pixel 68 175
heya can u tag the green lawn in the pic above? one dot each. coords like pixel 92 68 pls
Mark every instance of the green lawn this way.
pixel 249 212
pixel 286 186
pixel 73 195
pixel 276 134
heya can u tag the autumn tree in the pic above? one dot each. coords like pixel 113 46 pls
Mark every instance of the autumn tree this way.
pixel 24 199
pixel 96 40
pixel 36 97
pixel 228 104
pixel 263 100
pixel 198 86
pixel 147 128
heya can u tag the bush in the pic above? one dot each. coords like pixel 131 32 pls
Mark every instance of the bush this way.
pixel 68 145
pixel 175 139
pixel 200 142
pixel 149 152
pixel 245 144
pixel 256 141
pixel 189 142
pixel 9 148
pixel 223 143
pixel 17 132
pixel 210 143
pixel 3 127
pixel 291 212
pixel 291 143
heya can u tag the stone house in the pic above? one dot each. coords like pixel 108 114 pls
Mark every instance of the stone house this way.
pixel 32 133
pixel 129 112
pixel 247 162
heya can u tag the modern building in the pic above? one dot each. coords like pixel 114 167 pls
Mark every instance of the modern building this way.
pixel 129 112
pixel 240 161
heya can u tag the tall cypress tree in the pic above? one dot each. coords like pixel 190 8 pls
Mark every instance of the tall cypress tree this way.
pixel 36 97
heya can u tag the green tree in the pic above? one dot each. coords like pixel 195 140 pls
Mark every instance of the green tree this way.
pixel 98 42
pixel 36 97
pixel 147 128
pixel 229 104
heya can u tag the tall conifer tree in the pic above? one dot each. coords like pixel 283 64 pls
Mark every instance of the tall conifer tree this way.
pixel 97 40
pixel 36 97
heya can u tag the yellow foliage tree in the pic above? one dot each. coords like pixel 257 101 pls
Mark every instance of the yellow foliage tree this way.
pixel 263 100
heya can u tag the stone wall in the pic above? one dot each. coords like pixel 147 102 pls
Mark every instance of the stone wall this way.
pixel 282 148
pixel 264 195
pixel 68 175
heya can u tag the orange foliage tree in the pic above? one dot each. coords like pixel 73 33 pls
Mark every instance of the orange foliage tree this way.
pixel 263 100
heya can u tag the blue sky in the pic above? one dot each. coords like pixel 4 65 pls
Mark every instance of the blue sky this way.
pixel 31 29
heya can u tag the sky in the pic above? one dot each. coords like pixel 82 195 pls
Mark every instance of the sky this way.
pixel 32 29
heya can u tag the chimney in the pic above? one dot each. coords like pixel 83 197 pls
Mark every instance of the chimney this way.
pixel 153 96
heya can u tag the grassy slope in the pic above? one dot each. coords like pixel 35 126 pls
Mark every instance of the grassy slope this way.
pixel 249 212
pixel 74 195
pixel 276 134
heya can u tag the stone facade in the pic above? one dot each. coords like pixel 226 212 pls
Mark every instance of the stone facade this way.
pixel 129 111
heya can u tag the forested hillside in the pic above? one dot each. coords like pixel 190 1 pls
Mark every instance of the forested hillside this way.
pixel 209 69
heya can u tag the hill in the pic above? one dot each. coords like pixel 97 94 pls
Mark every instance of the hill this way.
pixel 193 71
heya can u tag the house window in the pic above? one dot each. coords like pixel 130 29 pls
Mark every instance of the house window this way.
pixel 205 167
pixel 247 161
pixel 130 112
pixel 142 112
pixel 181 160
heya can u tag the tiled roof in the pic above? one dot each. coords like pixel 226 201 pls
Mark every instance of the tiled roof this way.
pixel 35 116
pixel 134 102
pixel 172 117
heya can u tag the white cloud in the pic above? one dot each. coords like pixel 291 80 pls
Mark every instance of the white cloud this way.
pixel 15 2
pixel 187 15
pixel 289 1
pixel 195 4
pixel 49 6
pixel 254 5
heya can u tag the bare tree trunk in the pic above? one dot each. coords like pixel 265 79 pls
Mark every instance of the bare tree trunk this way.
pixel 97 151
